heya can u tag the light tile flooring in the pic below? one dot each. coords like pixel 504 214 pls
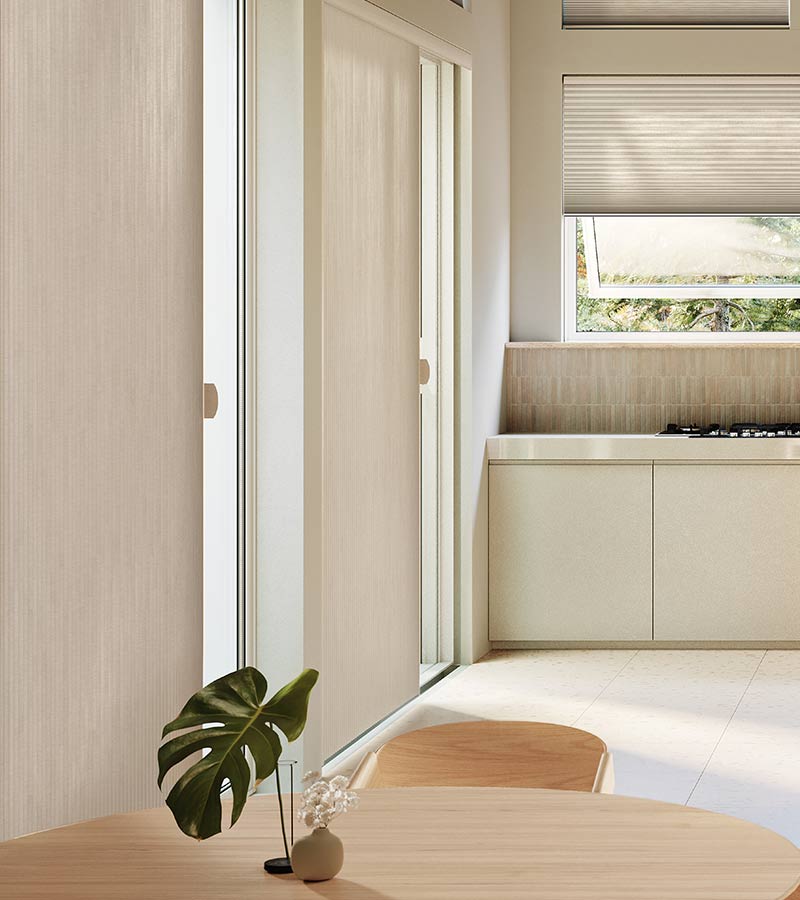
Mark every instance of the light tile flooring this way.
pixel 718 729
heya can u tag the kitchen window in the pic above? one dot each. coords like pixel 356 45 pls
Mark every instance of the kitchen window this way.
pixel 681 203
pixel 701 276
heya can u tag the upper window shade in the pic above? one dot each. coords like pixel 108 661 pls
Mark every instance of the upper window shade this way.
pixel 683 145
pixel 674 13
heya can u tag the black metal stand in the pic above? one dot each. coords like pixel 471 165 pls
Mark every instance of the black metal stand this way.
pixel 278 866
pixel 281 865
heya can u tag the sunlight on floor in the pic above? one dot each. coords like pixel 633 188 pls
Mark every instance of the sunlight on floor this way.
pixel 717 729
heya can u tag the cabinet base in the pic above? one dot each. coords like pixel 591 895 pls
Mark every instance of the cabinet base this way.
pixel 645 645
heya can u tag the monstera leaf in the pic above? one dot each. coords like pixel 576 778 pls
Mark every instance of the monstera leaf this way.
pixel 233 706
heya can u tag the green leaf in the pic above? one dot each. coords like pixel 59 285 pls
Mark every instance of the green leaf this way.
pixel 288 709
pixel 227 717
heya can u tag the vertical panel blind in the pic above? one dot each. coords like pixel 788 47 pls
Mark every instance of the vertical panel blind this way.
pixel 101 362
pixel 600 13
pixel 370 603
pixel 681 145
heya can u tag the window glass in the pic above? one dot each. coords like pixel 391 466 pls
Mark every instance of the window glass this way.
pixel 696 250
pixel 687 274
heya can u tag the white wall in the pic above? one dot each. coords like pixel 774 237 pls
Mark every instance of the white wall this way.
pixel 491 203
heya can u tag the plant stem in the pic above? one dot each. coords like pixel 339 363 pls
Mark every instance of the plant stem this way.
pixel 280 805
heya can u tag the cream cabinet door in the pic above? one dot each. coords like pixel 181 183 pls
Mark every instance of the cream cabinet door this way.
pixel 727 552
pixel 570 552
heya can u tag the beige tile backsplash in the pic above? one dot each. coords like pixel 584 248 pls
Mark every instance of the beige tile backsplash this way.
pixel 635 388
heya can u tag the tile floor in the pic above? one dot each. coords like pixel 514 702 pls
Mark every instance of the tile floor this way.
pixel 718 729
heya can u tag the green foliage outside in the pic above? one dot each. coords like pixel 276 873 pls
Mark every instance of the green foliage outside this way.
pixel 706 315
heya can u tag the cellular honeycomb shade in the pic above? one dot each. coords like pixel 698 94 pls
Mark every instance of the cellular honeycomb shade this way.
pixel 687 145
pixel 644 13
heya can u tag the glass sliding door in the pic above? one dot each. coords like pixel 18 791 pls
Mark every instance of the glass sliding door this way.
pixel 223 240
pixel 436 364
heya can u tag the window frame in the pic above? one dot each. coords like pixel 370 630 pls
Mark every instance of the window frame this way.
pixel 227 89
pixel 569 282
pixel 437 344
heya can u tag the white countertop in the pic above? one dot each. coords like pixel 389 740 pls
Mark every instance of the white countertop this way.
pixel 554 447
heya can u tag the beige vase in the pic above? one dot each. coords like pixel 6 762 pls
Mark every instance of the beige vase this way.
pixel 318 856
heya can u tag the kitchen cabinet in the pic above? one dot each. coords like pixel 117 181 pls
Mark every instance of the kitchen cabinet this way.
pixel 726 552
pixel 570 551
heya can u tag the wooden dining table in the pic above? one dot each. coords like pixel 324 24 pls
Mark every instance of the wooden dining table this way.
pixel 425 844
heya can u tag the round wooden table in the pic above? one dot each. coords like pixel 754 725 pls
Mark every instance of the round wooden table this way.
pixel 422 844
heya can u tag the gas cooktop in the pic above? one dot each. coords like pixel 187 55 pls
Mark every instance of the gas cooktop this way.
pixel 737 430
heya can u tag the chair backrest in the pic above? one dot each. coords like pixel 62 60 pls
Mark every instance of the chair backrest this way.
pixel 490 754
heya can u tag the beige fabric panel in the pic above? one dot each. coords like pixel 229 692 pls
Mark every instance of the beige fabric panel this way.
pixel 675 12
pixel 371 393
pixel 681 145
pixel 100 399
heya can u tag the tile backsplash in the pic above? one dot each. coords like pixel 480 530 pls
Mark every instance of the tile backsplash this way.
pixel 638 389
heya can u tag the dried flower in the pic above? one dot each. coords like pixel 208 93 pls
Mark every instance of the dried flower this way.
pixel 325 799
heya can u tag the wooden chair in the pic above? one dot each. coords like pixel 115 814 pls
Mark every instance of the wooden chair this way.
pixel 490 754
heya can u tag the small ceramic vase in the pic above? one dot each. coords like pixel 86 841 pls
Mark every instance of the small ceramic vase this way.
pixel 318 856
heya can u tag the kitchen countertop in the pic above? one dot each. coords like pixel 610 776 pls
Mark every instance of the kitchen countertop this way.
pixel 554 447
